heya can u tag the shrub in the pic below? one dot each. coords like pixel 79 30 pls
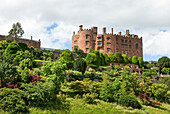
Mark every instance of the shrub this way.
pixel 107 60
pixel 12 100
pixel 89 98
pixel 12 49
pixel 62 103
pixel 129 101
pixel 95 87
pixel 80 65
pixel 134 60
pixel 146 74
pixel 39 94
pixel 141 64
pixel 26 63
pixel 167 97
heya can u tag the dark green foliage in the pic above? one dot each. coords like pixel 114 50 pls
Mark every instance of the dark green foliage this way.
pixel 80 53
pixel 141 64
pixel 23 46
pixel 68 58
pixel 91 60
pixel 130 59
pixel 89 98
pixel 80 65
pixel 129 101
pixel 146 74
pixel 99 59
pixel 112 57
pixel 164 62
pixel 39 94
pixel 7 70
pixel 12 100
pixel 106 92
pixel 12 49
pixel 102 59
pixel 134 60
pixel 46 68
pixel 119 57
pixel 38 53
pixel 107 59
pixel 125 58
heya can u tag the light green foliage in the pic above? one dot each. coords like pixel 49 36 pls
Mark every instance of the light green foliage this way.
pixel 12 49
pixel 46 68
pixel 141 64
pixel 80 65
pixel 166 70
pixel 167 97
pixel 150 66
pixel 130 59
pixel 98 58
pixel 125 58
pixel 95 87
pixel 39 94
pixel 25 75
pixel 134 60
pixel 12 100
pixel 91 60
pixel 116 88
pixel 68 58
pixel 7 70
pixel 26 63
pixel 106 92
pixel 159 91
pixel 129 101
pixel 164 62
pixel 117 67
pixel 119 57
pixel 3 44
pixel 58 74
pixel 21 55
pixel 16 32
pixel 107 59
pixel 48 55
pixel 89 98
pixel 112 57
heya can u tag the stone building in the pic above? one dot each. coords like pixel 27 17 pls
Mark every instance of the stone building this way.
pixel 128 44
pixel 29 42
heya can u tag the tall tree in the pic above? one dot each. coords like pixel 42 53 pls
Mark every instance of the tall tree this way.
pixel 141 64
pixel 107 59
pixel 15 33
pixel 134 60
pixel 119 57
pixel 125 58
pixel 112 57
pixel 164 62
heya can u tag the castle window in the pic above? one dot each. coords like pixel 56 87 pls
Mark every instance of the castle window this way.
pixel 108 44
pixel 108 39
pixel 126 52
pixel 87 50
pixel 125 41
pixel 129 41
pixel 99 42
pixel 87 36
pixel 87 43
pixel 108 50
pixel 75 42
pixel 122 46
pixel 98 49
pixel 136 46
pixel 122 40
pixel 129 46
pixel 122 52
pixel 99 38
pixel 125 46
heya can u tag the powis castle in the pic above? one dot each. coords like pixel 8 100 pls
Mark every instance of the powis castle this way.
pixel 128 44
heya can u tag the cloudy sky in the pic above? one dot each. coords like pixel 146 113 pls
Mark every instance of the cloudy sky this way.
pixel 53 21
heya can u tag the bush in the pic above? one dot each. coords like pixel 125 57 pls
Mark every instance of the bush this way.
pixel 89 98
pixel 12 100
pixel 146 74
pixel 129 101
pixel 167 96
pixel 80 65
pixel 39 94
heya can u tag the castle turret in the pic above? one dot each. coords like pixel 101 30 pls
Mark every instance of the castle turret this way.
pixel 81 27
pixel 112 30
pixel 127 32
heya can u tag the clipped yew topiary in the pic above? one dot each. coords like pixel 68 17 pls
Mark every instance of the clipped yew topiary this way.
pixel 129 101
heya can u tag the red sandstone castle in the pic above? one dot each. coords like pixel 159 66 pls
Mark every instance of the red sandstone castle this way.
pixel 29 42
pixel 128 44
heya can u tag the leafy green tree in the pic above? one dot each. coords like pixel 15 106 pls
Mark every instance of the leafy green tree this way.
pixel 130 59
pixel 102 59
pixel 79 52
pixel 117 67
pixel 12 49
pixel 166 70
pixel 116 88
pixel 150 65
pixel 20 55
pixel 58 74
pixel 80 65
pixel 46 68
pixel 134 60
pixel 99 59
pixel 68 58
pixel 91 60
pixel 119 57
pixel 112 57
pixel 164 62
pixel 15 33
pixel 3 44
pixel 23 46
pixel 7 70
pixel 107 59
pixel 125 58
pixel 26 63
pixel 141 64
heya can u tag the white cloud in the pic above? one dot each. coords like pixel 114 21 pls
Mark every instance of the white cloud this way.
pixel 35 15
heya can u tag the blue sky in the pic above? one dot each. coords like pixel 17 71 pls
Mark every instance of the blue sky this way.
pixel 53 21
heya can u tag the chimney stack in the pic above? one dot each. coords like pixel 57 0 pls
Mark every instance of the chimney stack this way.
pixel 73 32
pixel 119 33
pixel 112 30
pixel 81 27
pixel 127 32
pixel 31 37
pixel 104 30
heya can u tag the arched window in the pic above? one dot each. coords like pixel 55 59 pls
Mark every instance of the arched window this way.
pixel 136 46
